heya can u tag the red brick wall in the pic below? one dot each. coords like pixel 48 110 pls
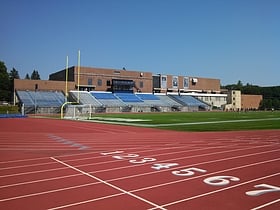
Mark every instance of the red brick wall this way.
pixel 250 101
pixel 25 84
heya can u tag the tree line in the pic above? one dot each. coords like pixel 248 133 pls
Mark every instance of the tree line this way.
pixel 7 81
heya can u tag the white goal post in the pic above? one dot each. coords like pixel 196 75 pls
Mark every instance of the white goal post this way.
pixel 79 111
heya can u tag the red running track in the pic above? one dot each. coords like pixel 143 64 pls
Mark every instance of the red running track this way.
pixel 57 164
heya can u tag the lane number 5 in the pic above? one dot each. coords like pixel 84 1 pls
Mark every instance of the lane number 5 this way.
pixel 188 171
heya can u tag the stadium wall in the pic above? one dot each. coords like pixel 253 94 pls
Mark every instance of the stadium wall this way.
pixel 26 84
pixel 208 85
pixel 251 101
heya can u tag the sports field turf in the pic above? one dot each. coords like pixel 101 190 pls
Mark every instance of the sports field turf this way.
pixel 197 121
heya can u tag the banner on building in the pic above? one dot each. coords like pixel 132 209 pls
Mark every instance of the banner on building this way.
pixel 163 80
pixel 186 82
pixel 175 81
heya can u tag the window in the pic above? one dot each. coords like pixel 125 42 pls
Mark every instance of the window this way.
pixel 141 84
pixel 99 82
pixel 89 81
pixel 119 85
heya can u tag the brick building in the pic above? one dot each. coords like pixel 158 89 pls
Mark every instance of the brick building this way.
pixel 101 79
pixel 118 80
pixel 250 101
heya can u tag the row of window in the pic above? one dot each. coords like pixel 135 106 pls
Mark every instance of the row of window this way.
pixel 108 83
pixel 209 98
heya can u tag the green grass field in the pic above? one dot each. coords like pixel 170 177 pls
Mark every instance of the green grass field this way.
pixel 197 121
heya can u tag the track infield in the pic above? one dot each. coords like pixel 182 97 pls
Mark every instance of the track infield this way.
pixel 60 164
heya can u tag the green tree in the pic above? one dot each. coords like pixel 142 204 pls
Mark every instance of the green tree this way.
pixel 27 76
pixel 35 75
pixel 4 83
pixel 12 75
pixel 239 85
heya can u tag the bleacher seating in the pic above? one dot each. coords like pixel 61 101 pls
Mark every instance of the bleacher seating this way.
pixel 168 101
pixel 108 99
pixel 85 98
pixel 41 98
pixel 148 96
pixel 25 98
pixel 189 100
pixel 103 95
pixel 128 97
pixel 151 100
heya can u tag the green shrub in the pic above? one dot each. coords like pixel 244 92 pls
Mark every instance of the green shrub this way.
pixel 8 109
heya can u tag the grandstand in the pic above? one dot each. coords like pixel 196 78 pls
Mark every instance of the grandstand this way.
pixel 113 90
pixel 94 102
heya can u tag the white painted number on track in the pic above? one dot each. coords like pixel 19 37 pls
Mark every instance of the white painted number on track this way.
pixel 144 160
pixel 159 166
pixel 188 171
pixel 268 189
pixel 131 157
pixel 213 181
pixel 125 156
pixel 220 180
pixel 111 153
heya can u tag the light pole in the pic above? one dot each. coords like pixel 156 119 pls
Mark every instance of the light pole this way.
pixel 35 100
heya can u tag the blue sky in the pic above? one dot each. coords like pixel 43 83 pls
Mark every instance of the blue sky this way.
pixel 226 39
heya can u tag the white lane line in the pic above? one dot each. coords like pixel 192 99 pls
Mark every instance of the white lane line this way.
pixel 205 175
pixel 32 172
pixel 124 167
pixel 26 166
pixel 89 153
pixel 151 187
pixel 137 190
pixel 72 155
pixel 217 191
pixel 86 201
pixel 47 192
pixel 266 204
pixel 206 154
pixel 108 184
pixel 187 123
